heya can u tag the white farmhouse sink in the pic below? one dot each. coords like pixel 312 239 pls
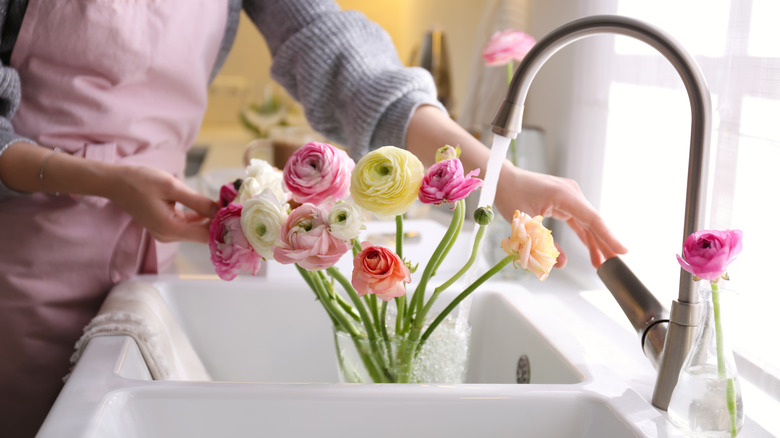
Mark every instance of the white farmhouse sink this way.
pixel 269 347
pixel 278 332
pixel 355 411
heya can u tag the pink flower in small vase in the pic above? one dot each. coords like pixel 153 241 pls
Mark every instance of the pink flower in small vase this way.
pixel 507 46
pixel 707 254
pixel 318 172
pixel 305 240
pixel 445 182
pixel 378 270
pixel 230 249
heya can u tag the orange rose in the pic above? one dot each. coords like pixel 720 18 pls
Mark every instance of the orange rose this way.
pixel 531 244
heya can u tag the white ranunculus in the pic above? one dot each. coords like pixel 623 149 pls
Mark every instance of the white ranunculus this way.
pixel 250 187
pixel 267 176
pixel 345 221
pixel 261 219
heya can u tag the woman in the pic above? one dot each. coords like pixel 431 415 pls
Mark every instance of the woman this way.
pixel 99 101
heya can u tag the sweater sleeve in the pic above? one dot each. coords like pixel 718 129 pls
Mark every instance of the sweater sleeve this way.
pixel 11 13
pixel 344 70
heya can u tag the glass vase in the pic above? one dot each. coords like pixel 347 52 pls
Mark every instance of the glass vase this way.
pixel 442 358
pixel 707 401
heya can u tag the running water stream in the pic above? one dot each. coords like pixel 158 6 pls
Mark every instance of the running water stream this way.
pixel 487 195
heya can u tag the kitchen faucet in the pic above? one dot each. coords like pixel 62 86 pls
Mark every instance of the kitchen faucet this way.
pixel 665 336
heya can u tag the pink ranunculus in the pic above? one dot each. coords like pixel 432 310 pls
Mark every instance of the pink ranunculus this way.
pixel 230 250
pixel 507 46
pixel 318 172
pixel 707 254
pixel 378 270
pixel 305 240
pixel 228 192
pixel 445 182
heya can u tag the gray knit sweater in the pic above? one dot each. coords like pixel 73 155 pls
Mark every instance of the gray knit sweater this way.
pixel 340 66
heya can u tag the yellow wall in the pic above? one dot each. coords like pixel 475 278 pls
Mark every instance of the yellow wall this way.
pixel 406 21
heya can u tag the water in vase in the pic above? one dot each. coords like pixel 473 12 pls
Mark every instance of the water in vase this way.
pixel 704 411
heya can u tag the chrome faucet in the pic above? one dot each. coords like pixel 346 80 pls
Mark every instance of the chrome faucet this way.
pixel 665 336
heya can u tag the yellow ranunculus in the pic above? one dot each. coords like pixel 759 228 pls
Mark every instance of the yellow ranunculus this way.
pixel 386 181
pixel 531 244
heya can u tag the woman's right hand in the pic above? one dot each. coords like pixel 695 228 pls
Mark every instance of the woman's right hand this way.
pixel 148 194
pixel 151 196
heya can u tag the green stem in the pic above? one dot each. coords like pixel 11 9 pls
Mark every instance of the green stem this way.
pixel 463 270
pixel 731 401
pixel 416 303
pixel 367 324
pixel 469 262
pixel 336 274
pixel 399 236
pixel 340 320
pixel 466 292
pixel 460 218
pixel 400 304
pixel 383 325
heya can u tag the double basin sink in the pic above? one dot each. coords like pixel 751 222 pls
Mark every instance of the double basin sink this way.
pixel 268 346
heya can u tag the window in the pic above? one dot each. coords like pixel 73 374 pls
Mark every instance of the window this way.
pixel 640 188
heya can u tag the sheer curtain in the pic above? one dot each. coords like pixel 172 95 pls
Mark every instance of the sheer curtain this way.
pixel 626 143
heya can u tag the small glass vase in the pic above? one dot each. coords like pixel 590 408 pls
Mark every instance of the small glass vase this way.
pixel 443 358
pixel 707 401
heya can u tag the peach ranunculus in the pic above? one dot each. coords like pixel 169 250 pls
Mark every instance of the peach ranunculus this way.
pixel 304 239
pixel 531 245
pixel 318 173
pixel 507 46
pixel 378 270
pixel 445 182
pixel 707 254
pixel 230 249
pixel 386 181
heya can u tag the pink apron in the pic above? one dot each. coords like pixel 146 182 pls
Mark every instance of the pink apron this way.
pixel 113 80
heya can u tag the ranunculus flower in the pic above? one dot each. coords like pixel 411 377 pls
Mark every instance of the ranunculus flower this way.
pixel 261 220
pixel 507 46
pixel 304 239
pixel 250 188
pixel 531 244
pixel 345 221
pixel 228 192
pixel 267 177
pixel 317 173
pixel 707 254
pixel 445 182
pixel 378 270
pixel 386 180
pixel 447 152
pixel 230 250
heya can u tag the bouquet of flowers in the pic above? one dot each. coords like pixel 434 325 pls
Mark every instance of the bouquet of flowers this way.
pixel 311 214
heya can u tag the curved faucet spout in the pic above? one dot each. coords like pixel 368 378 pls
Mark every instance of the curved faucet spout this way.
pixel 666 348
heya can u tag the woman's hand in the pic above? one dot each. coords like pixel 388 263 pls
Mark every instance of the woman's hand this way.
pixel 558 198
pixel 518 189
pixel 150 196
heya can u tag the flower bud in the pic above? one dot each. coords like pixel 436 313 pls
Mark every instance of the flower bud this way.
pixel 483 215
pixel 447 152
